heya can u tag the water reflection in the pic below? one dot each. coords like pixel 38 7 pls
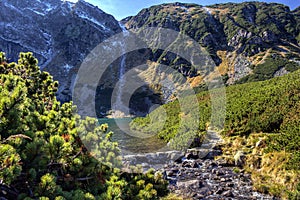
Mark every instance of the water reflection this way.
pixel 132 143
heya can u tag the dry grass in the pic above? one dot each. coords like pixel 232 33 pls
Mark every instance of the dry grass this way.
pixel 195 81
pixel 173 196
pixel 228 61
pixel 219 11
pixel 260 58
pixel 267 170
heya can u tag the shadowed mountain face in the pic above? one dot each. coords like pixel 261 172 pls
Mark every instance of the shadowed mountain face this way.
pixel 59 33
pixel 248 41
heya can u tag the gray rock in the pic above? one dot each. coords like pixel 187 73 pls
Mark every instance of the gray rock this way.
pixel 228 194
pixel 269 36
pixel 192 156
pixel 190 183
pixel 282 71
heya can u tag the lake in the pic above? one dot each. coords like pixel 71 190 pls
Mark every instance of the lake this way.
pixel 131 142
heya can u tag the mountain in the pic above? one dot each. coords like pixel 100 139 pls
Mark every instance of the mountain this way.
pixel 59 33
pixel 248 41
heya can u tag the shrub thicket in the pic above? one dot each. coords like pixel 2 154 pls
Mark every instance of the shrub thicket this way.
pixel 41 153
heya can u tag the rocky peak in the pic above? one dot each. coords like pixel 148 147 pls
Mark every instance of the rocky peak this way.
pixel 59 33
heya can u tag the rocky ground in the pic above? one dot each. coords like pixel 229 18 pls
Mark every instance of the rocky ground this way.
pixel 206 178
pixel 197 175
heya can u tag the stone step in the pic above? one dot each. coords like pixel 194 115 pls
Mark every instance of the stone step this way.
pixel 207 146
pixel 199 151
pixel 212 137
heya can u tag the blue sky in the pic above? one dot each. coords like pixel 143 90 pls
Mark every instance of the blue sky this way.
pixel 124 8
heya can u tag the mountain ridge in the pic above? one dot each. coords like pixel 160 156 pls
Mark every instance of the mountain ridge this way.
pixel 230 32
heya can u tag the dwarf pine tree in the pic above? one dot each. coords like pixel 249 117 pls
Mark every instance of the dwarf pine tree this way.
pixel 43 147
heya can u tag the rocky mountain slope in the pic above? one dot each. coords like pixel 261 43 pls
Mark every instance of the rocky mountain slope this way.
pixel 248 41
pixel 59 33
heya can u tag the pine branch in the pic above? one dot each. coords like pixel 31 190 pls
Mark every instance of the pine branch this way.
pixel 84 179
pixel 13 137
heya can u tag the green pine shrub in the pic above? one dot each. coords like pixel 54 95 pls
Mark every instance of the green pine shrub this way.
pixel 49 152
